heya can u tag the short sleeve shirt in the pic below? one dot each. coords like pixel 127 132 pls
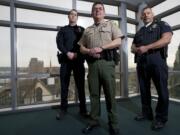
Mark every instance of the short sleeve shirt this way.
pixel 97 36
pixel 152 33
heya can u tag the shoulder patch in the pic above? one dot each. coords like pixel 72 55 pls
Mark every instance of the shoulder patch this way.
pixel 165 23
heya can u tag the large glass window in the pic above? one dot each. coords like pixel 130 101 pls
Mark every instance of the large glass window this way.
pixel 38 17
pixel 5 60
pixel 36 44
pixel 164 6
pixel 174 66
pixel 111 9
pixel 38 68
pixel 86 6
pixel 132 76
pixel 131 28
pixel 85 21
pixel 173 48
pixel 171 20
pixel 5 68
pixel 57 3
pixel 4 13
pixel 131 14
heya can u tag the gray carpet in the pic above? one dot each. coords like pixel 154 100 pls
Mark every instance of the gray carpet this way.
pixel 44 123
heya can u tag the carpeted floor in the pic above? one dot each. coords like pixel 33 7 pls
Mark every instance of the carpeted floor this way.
pixel 44 123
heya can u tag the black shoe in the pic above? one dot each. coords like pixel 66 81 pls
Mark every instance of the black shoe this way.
pixel 141 117
pixel 88 129
pixel 61 114
pixel 113 131
pixel 157 125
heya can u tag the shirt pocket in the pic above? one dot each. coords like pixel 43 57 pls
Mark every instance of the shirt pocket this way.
pixel 89 38
pixel 106 33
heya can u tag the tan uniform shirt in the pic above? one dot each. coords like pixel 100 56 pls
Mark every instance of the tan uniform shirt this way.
pixel 102 34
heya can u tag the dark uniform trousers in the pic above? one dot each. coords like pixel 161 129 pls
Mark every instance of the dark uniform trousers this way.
pixel 153 66
pixel 79 74
pixel 102 73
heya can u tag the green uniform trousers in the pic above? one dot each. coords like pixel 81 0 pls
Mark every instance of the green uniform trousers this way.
pixel 102 73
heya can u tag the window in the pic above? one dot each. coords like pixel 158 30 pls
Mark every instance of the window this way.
pixel 4 13
pixel 38 17
pixel 174 66
pixel 113 10
pixel 57 3
pixel 36 46
pixel 171 20
pixel 85 21
pixel 131 14
pixel 84 6
pixel 164 6
pixel 132 77
pixel 173 48
pixel 5 68
pixel 5 47
pixel 36 60
pixel 87 6
pixel 131 28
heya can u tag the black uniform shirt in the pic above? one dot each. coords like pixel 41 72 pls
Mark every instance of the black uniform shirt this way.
pixel 67 38
pixel 151 34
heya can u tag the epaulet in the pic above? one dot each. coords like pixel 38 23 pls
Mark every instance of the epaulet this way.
pixel 90 27
pixel 163 23
pixel 159 22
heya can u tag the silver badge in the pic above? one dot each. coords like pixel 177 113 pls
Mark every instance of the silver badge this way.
pixel 154 26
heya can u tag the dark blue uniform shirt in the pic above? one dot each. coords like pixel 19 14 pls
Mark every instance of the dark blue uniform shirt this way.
pixel 67 39
pixel 151 34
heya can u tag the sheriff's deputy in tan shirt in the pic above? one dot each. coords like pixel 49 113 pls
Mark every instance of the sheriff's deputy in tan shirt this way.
pixel 99 42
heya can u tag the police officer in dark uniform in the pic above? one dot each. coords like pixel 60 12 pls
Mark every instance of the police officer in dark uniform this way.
pixel 150 48
pixel 71 59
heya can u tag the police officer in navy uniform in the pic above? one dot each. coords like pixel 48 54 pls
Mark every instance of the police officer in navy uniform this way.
pixel 71 59
pixel 150 48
